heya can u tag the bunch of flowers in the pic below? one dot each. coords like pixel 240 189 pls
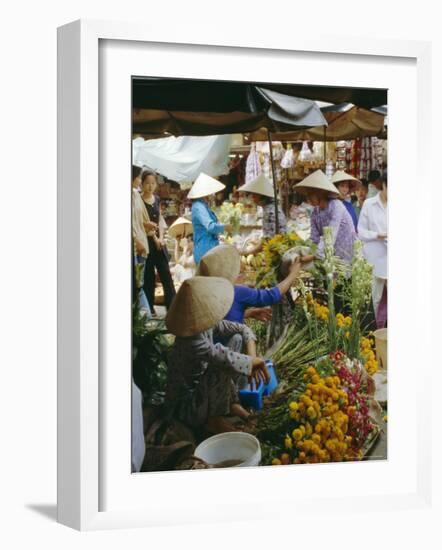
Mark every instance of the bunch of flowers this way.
pixel 270 257
pixel 230 213
pixel 344 332
pixel 274 248
pixel 351 376
pixel 361 280
pixel 329 258
pixel 330 419
pixel 368 355
pixel 321 311
pixel 343 321
pixel 362 273
pixel 330 266
pixel 312 306
pixel 320 424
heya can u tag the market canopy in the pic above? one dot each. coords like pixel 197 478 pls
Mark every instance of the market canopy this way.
pixel 167 94
pixel 228 109
pixel 344 122
pixel 181 159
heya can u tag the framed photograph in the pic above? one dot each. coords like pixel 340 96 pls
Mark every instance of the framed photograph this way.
pixel 237 346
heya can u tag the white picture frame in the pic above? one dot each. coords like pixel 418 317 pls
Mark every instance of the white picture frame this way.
pixel 80 293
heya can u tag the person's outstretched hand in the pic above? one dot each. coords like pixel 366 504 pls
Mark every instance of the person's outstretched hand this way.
pixel 307 259
pixel 259 372
pixel 295 268
pixel 260 313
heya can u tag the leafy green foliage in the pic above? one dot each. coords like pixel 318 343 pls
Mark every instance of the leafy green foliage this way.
pixel 151 346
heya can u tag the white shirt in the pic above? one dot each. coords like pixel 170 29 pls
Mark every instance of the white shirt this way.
pixel 372 191
pixel 139 218
pixel 373 221
pixel 138 445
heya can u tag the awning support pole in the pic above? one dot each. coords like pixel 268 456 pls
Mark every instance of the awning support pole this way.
pixel 325 147
pixel 275 183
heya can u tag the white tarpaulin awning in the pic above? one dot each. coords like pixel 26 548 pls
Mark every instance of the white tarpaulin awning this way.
pixel 181 159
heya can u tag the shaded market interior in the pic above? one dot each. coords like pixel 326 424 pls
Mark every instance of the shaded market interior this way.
pixel 292 130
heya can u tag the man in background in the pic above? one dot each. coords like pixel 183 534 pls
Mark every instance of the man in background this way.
pixel 373 231
pixel 374 183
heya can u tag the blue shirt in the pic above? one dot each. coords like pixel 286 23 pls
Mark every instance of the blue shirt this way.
pixel 205 229
pixel 245 297
pixel 350 209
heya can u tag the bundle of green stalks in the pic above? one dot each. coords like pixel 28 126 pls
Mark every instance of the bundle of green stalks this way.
pixel 291 358
pixel 296 350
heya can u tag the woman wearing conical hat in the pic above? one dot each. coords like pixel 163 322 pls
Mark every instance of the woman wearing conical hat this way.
pixel 261 191
pixel 225 261
pixel 328 211
pixel 182 231
pixel 202 375
pixel 206 227
pixel 184 267
pixel 346 184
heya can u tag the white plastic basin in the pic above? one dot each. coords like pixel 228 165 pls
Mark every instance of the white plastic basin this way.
pixel 231 448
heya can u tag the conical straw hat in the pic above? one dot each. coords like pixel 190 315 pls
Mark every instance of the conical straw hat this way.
pixel 205 186
pixel 260 185
pixel 317 180
pixel 181 226
pixel 340 175
pixel 221 261
pixel 200 303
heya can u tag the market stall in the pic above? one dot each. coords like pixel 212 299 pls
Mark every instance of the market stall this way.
pixel 327 400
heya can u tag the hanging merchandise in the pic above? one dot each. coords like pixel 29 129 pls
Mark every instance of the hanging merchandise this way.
pixel 348 154
pixel 318 152
pixel 329 169
pixel 263 149
pixel 384 154
pixel 266 168
pixel 308 161
pixel 305 155
pixel 253 165
pixel 355 157
pixel 278 151
pixel 361 158
pixel 288 160
pixel 366 158
pixel 341 156
pixel 378 154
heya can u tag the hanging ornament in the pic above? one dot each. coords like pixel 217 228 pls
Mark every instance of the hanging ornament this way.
pixel 288 160
pixel 305 154
pixel 253 165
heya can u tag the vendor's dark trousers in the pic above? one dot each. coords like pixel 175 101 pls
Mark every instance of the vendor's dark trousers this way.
pixel 157 259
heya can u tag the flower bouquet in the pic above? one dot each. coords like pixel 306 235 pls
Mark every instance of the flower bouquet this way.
pixel 231 214
pixel 270 259
pixel 329 418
